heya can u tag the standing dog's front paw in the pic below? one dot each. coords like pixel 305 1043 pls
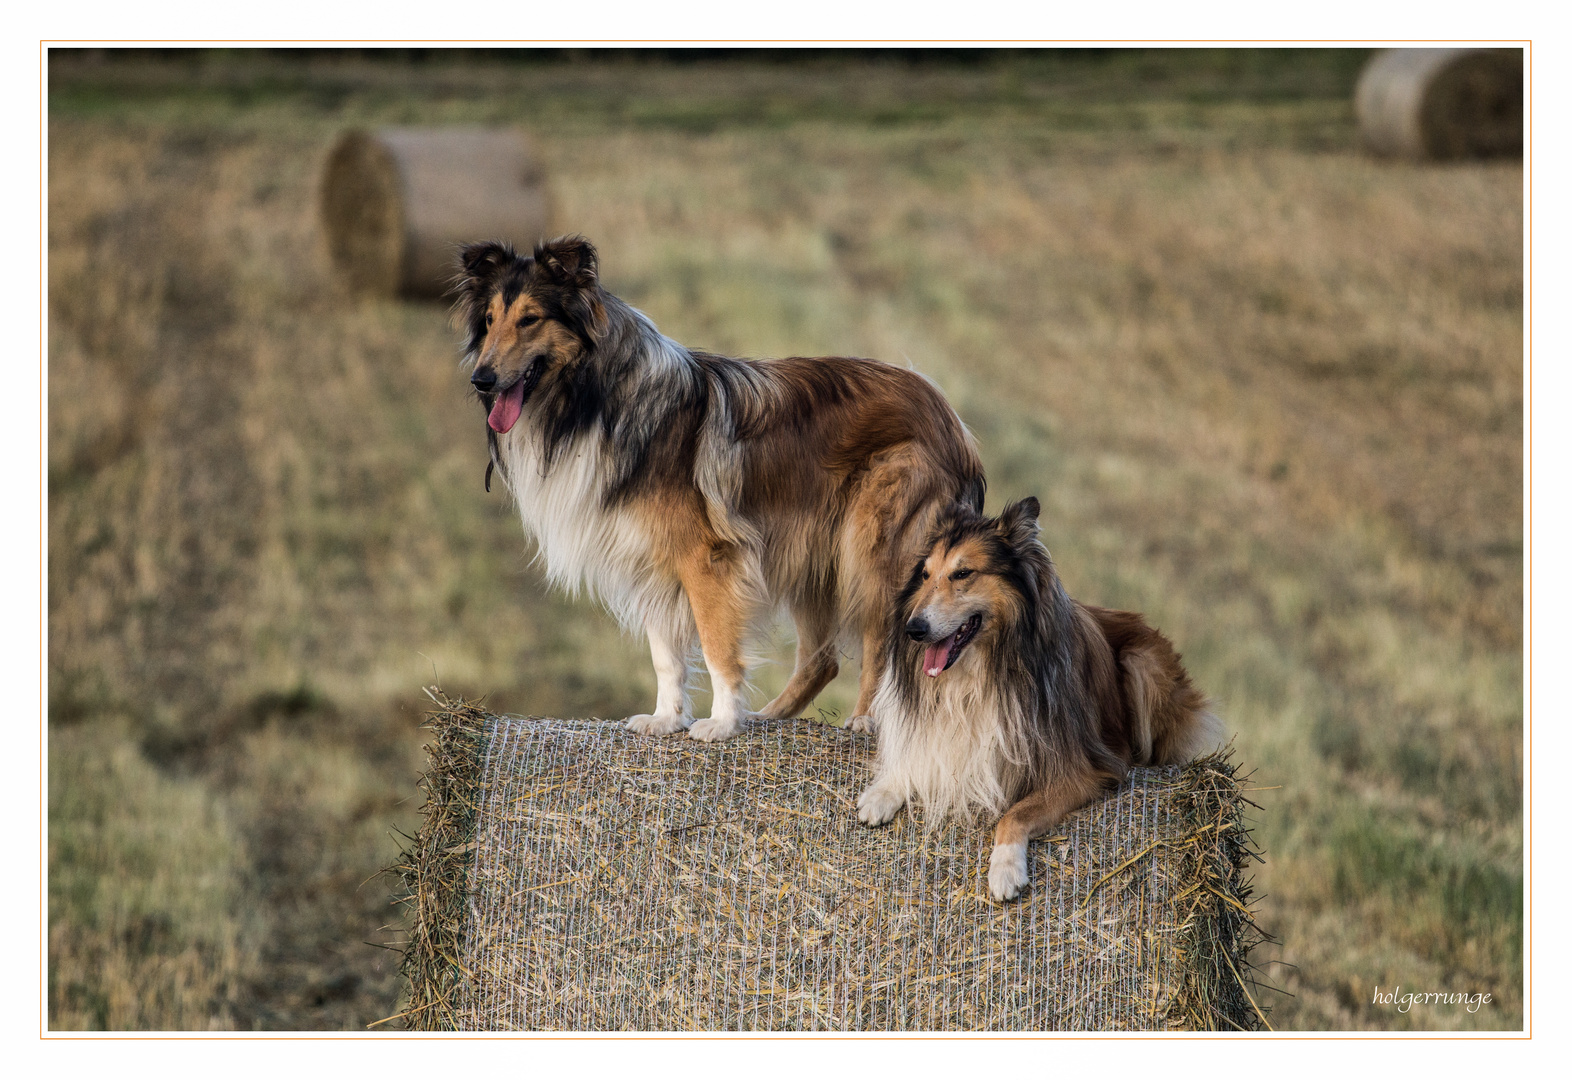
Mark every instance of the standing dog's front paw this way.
pixel 878 805
pixel 715 729
pixel 862 722
pixel 1007 871
pixel 658 725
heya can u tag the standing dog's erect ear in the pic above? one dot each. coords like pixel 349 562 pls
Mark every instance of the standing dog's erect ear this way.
pixel 482 261
pixel 480 265
pixel 570 263
pixel 569 260
pixel 1019 521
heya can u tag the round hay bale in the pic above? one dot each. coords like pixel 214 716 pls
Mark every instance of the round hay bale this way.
pixel 571 875
pixel 397 202
pixel 1442 104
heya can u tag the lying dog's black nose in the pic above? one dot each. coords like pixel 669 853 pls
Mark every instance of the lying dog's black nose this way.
pixel 917 628
pixel 484 380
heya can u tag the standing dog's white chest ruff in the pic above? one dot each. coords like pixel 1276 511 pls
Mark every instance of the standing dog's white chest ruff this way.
pixel 582 544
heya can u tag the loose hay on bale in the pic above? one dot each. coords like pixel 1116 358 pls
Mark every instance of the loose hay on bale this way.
pixel 1442 104
pixel 397 202
pixel 573 876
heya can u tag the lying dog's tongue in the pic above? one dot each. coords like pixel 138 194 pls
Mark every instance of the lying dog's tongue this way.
pixel 936 656
pixel 505 410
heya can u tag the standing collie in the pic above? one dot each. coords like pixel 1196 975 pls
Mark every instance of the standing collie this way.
pixel 693 493
pixel 1002 695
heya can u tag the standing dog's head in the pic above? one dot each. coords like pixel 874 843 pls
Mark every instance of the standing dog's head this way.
pixel 980 578
pixel 526 318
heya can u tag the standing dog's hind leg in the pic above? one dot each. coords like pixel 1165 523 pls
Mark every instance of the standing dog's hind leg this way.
pixel 816 664
pixel 895 502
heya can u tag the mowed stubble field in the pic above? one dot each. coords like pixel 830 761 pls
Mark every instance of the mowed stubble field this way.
pixel 1269 391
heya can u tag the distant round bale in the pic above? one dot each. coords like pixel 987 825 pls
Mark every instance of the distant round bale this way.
pixel 397 202
pixel 1442 104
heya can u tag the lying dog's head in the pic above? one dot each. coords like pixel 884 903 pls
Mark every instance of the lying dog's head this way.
pixel 526 318
pixel 978 579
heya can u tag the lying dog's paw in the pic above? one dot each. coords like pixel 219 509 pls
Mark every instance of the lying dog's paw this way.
pixel 657 725
pixel 862 723
pixel 714 729
pixel 1007 871
pixel 878 805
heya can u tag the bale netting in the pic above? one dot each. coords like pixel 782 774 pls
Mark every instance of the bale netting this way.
pixel 571 875
pixel 1442 104
pixel 397 202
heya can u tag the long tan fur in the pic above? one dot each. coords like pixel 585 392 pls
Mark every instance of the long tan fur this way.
pixel 1003 696
pixel 693 493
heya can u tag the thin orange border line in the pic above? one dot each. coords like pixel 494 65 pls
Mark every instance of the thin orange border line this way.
pixel 46 1035
pixel 1528 531
pixel 43 543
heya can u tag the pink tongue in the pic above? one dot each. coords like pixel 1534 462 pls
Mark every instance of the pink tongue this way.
pixel 505 410
pixel 934 656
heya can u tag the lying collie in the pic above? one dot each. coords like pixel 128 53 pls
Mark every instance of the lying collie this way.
pixel 1001 695
pixel 693 493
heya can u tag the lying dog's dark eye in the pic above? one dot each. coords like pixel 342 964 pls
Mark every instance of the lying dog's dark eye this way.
pixel 925 575
pixel 959 574
pixel 528 320
pixel 488 320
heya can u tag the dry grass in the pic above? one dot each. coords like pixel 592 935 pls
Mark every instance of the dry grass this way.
pixel 146 866
pixel 1269 392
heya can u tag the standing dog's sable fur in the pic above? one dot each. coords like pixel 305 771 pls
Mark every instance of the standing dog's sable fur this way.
pixel 692 492
pixel 1002 695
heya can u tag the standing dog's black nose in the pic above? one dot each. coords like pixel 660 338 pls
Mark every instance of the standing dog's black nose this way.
pixel 484 380
pixel 917 628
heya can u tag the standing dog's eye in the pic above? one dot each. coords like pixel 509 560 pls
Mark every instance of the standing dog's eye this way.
pixel 959 574
pixel 925 575
pixel 488 320
pixel 528 320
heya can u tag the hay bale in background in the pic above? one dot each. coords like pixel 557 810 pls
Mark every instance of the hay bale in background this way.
pixel 1442 104
pixel 571 875
pixel 397 201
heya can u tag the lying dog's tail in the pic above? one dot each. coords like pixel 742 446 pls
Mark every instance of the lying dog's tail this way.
pixel 1170 721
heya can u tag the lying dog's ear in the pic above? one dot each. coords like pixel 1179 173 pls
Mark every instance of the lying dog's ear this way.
pixel 480 266
pixel 569 260
pixel 1019 521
